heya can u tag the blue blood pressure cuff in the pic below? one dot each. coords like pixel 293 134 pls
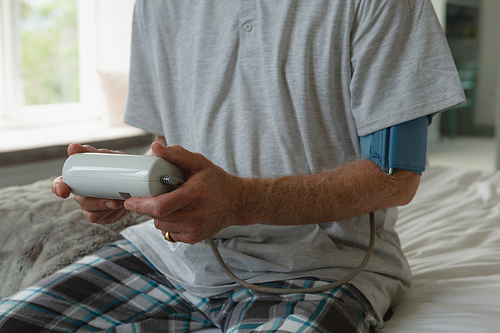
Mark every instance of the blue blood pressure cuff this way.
pixel 402 146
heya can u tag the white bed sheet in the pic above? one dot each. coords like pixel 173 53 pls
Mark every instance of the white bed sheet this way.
pixel 450 234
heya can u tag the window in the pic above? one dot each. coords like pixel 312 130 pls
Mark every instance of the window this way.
pixel 45 62
pixel 48 33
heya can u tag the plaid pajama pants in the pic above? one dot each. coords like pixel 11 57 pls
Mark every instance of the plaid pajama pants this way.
pixel 118 290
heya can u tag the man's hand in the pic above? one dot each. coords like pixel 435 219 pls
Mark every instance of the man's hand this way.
pixel 101 211
pixel 211 199
pixel 205 204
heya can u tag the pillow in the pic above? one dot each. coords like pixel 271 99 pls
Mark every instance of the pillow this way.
pixel 114 85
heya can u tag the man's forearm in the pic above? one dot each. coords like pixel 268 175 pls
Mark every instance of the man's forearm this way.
pixel 211 199
pixel 350 190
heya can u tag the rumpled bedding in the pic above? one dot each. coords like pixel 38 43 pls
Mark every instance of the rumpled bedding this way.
pixel 41 233
pixel 450 234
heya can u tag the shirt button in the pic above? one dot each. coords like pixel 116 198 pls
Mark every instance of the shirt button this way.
pixel 247 26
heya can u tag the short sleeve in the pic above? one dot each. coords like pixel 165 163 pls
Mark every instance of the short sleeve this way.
pixel 402 67
pixel 141 107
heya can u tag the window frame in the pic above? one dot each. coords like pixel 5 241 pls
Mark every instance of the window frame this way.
pixel 13 112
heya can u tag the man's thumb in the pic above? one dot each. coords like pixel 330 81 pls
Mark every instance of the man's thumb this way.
pixel 181 157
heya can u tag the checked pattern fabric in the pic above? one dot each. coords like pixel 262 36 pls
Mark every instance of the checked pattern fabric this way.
pixel 117 290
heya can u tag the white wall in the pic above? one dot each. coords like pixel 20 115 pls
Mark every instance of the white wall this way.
pixel 489 59
pixel 440 7
pixel 434 130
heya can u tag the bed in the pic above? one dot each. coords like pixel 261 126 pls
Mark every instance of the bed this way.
pixel 450 234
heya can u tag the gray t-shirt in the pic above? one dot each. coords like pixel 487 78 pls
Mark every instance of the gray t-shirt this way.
pixel 271 88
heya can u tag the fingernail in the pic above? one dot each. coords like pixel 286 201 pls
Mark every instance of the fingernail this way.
pixel 129 204
pixel 113 204
pixel 161 145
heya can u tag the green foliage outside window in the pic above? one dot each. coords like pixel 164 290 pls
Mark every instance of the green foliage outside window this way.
pixel 49 51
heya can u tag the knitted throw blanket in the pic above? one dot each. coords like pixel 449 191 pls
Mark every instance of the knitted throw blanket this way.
pixel 41 233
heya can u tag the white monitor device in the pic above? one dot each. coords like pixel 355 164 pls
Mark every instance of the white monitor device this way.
pixel 120 176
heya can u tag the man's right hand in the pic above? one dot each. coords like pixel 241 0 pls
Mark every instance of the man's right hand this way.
pixel 96 210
